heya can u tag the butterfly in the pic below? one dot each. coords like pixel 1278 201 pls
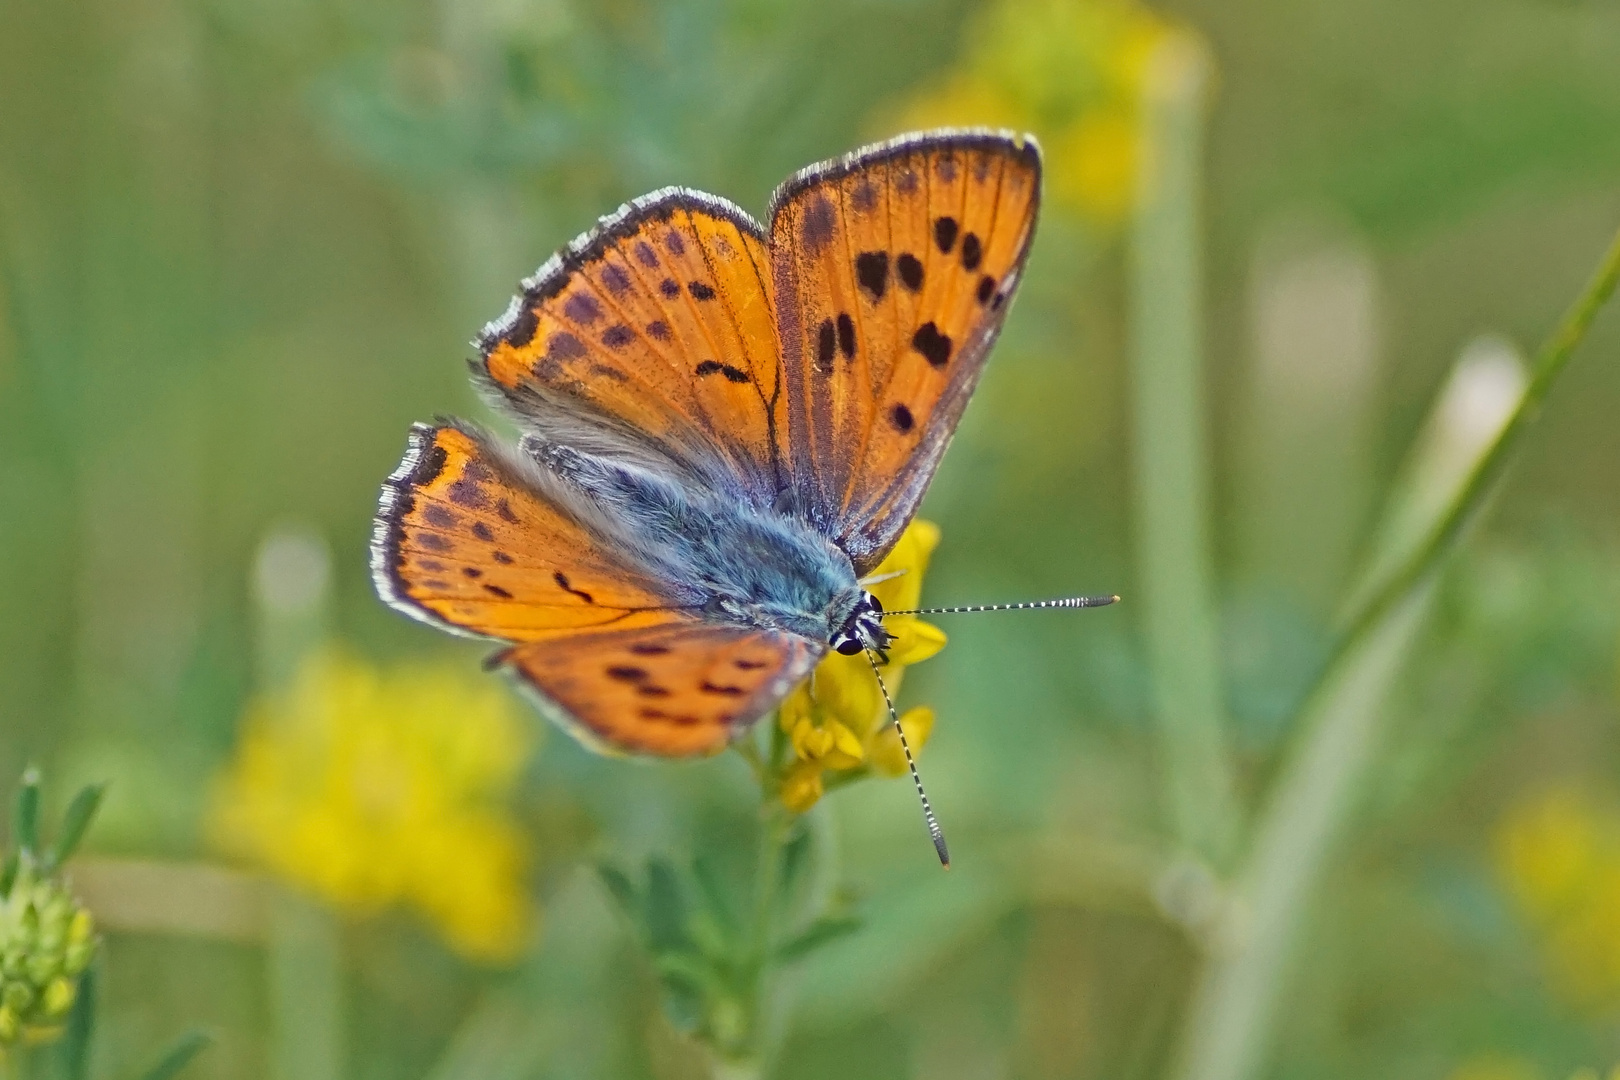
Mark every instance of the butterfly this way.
pixel 726 424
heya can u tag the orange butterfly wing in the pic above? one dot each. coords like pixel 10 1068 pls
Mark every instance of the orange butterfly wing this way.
pixel 671 691
pixel 892 268
pixel 464 541
pixel 654 331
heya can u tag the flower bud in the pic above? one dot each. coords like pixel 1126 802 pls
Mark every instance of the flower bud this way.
pixel 46 941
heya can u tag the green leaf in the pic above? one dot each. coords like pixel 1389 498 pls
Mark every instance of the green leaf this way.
pixel 623 889
pixel 795 858
pixel 179 1055
pixel 81 811
pixel 26 821
pixel 713 892
pixel 665 913
pixel 8 873
pixel 826 929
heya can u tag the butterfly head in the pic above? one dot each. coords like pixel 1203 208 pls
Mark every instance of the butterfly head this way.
pixel 863 630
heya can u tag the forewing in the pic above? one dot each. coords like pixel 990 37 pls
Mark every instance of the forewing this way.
pixel 893 269
pixel 670 691
pixel 652 334
pixel 467 540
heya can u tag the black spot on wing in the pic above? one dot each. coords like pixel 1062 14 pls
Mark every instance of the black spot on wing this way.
pixel 562 582
pixel 910 269
pixel 626 673
pixel 945 234
pixel 617 281
pixel 649 648
pixel 934 346
pixel 482 531
pixel 501 557
pixel 872 271
pixel 673 241
pixel 582 308
pixel 846 335
pixel 439 517
pixel 504 508
pixel 972 252
pixel 699 290
pixel 496 590
pixel 669 287
pixel 987 289
pixel 864 197
pixel 816 229
pixel 658 330
pixel 826 342
pixel 618 336
pixel 645 255
pixel 708 367
pixel 901 418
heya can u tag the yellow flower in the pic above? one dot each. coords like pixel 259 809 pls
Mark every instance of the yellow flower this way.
pixel 1071 71
pixel 1559 854
pixel 837 719
pixel 380 789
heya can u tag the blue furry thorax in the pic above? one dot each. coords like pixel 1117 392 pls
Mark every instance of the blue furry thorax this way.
pixel 717 551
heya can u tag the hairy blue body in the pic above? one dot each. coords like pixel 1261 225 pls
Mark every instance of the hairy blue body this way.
pixel 720 553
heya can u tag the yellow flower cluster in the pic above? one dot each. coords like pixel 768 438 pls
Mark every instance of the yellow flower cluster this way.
pixel 1071 71
pixel 1559 854
pixel 375 789
pixel 837 719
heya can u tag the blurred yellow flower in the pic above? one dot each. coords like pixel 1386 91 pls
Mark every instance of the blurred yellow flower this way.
pixel 837 718
pixel 1072 72
pixel 377 789
pixel 1559 854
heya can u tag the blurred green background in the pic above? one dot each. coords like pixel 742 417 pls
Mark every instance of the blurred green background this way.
pixel 243 244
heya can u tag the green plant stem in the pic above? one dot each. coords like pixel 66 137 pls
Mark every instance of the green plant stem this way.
pixel 746 1059
pixel 1550 362
pixel 1170 452
pixel 1231 1017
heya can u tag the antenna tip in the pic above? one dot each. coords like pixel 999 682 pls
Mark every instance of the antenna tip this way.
pixel 1114 599
pixel 944 855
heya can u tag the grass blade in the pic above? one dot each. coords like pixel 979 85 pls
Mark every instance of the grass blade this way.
pixel 179 1055
pixel 26 821
pixel 81 811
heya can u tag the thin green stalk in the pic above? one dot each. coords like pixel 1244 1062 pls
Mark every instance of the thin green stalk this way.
pixel 1549 363
pixel 1233 1011
pixel 1170 448
pixel 774 825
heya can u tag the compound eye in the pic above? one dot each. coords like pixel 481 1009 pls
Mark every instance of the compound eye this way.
pixel 848 647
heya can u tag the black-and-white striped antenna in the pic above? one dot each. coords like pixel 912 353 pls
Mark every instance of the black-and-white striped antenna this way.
pixel 1066 602
pixel 934 832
